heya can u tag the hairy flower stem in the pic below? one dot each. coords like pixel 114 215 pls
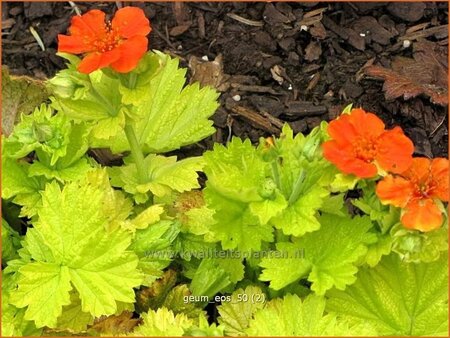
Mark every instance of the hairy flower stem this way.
pixel 136 152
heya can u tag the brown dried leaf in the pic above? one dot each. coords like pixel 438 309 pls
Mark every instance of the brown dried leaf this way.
pixel 153 297
pixel 114 325
pixel 20 95
pixel 425 74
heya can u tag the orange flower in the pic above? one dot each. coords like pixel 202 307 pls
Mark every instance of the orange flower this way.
pixel 120 43
pixel 416 191
pixel 359 144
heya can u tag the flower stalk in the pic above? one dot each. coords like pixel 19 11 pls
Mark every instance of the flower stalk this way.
pixel 136 151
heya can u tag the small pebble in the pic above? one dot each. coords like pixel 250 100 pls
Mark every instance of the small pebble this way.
pixel 205 58
pixel 236 98
pixel 303 28
pixel 406 43
pixel 362 34
pixel 290 87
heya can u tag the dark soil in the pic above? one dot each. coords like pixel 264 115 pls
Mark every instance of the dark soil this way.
pixel 274 62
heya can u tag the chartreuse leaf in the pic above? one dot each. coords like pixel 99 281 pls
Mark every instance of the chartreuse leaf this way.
pixel 162 322
pixel 242 195
pixel 73 165
pixel 209 279
pixel 398 298
pixel 235 225
pixel 10 242
pixel 300 174
pixel 36 279
pixel 73 319
pixel 115 205
pixel 17 184
pixel 13 322
pixel 176 301
pixel 204 329
pixel 165 174
pixel 327 257
pixel 94 99
pixel 41 130
pixel 153 247
pixel 417 246
pixel 236 314
pixel 236 172
pixel 278 266
pixel 172 115
pixel 74 251
pixel 291 316
pixel 59 144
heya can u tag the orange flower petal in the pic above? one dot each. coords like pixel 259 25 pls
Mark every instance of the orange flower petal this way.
pixel 394 190
pixel 89 25
pixel 131 21
pixel 420 170
pixel 342 158
pixel 440 178
pixel 342 131
pixel 395 151
pixel 71 44
pixel 94 61
pixel 367 124
pixel 131 52
pixel 423 215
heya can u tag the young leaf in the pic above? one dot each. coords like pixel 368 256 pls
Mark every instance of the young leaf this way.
pixel 329 258
pixel 97 102
pixel 41 130
pixel 236 226
pixel 404 299
pixel 239 192
pixel 299 173
pixel 164 175
pixel 236 172
pixel 80 253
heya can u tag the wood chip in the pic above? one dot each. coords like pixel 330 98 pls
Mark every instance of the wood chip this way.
pixel 313 51
pixel 256 119
pixel 304 108
pixel 245 21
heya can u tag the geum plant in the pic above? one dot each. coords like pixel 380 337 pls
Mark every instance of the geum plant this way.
pixel 340 232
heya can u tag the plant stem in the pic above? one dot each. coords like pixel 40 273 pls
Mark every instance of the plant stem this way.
pixel 136 152
pixel 297 188
pixel 132 80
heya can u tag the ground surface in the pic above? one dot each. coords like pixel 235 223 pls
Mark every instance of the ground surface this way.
pixel 276 62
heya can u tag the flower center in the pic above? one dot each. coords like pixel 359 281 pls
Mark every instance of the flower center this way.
pixel 110 40
pixel 365 149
